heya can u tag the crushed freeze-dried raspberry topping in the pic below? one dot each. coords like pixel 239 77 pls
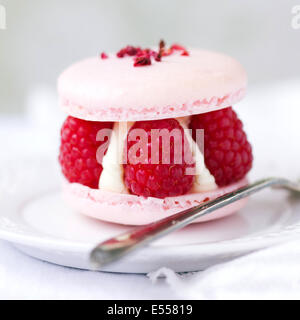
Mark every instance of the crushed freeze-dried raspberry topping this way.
pixel 143 57
pixel 104 56
pixel 142 61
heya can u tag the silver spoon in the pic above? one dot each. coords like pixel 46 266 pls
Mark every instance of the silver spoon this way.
pixel 117 247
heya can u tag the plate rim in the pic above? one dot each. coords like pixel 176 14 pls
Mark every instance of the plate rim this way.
pixel 38 240
pixel 48 242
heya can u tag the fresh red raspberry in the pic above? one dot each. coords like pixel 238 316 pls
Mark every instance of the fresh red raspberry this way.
pixel 228 154
pixel 167 176
pixel 78 151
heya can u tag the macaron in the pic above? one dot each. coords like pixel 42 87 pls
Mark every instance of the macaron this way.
pixel 116 165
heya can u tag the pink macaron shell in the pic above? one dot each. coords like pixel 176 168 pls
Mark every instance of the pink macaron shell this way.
pixel 133 210
pixel 114 90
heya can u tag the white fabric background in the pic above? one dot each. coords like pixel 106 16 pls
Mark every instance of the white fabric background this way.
pixel 272 273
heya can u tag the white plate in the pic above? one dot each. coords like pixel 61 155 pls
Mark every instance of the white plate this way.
pixel 35 219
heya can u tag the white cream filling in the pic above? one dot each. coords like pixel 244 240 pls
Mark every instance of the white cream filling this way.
pixel 112 177
pixel 204 181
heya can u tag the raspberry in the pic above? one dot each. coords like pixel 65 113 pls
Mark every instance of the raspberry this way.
pixel 78 151
pixel 163 178
pixel 228 154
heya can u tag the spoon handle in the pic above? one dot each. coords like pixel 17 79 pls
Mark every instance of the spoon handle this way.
pixel 117 247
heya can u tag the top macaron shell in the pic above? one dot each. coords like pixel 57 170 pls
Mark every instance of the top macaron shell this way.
pixel 114 90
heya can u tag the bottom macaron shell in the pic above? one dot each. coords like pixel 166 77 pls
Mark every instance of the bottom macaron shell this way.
pixel 132 210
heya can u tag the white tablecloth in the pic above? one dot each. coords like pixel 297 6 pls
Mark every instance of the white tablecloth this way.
pixel 273 273
pixel 22 277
